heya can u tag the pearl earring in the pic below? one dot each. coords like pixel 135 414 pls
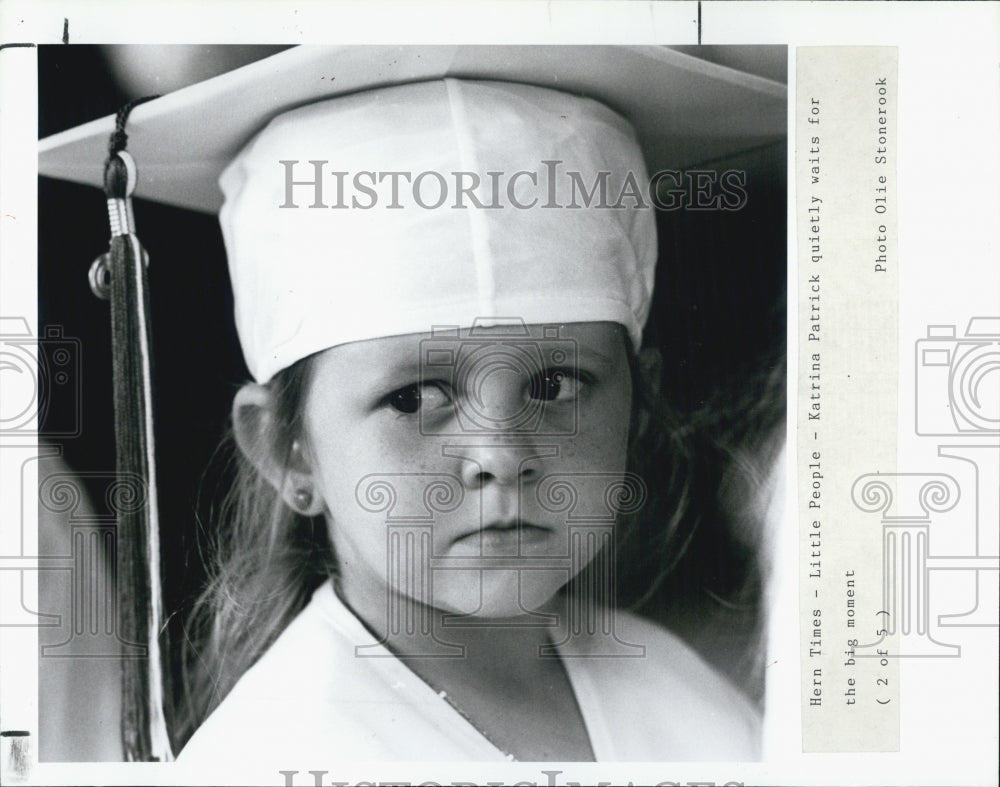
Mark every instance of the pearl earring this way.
pixel 303 499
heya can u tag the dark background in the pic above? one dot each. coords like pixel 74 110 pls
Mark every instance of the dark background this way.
pixel 718 317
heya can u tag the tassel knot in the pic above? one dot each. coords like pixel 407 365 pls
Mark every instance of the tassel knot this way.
pixel 119 175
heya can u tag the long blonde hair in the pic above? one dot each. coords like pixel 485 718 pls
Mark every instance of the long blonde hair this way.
pixel 263 562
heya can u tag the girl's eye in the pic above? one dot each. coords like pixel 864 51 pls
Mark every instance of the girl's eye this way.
pixel 410 398
pixel 555 384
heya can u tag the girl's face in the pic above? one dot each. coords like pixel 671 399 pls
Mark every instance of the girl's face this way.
pixel 453 468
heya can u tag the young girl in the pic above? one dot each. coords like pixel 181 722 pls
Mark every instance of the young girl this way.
pixel 455 451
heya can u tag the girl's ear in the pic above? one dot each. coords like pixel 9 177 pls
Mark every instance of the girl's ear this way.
pixel 650 366
pixel 287 469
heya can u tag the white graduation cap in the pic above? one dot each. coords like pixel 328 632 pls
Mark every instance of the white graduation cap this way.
pixel 685 111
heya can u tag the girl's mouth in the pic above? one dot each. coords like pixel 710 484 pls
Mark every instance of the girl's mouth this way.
pixel 505 536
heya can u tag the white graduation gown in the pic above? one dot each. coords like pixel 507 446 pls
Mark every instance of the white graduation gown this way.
pixel 311 699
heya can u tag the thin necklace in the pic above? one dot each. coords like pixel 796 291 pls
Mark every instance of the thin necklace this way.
pixel 458 709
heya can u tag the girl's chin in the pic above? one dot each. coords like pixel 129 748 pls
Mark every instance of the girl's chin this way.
pixel 495 593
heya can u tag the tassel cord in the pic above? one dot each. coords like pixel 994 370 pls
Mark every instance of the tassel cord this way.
pixel 144 733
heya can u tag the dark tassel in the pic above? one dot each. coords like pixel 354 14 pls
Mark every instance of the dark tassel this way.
pixel 121 273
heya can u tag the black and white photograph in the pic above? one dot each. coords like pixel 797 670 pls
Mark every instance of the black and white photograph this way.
pixel 465 374
pixel 580 392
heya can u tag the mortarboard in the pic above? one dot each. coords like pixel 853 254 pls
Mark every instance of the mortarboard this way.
pixel 686 110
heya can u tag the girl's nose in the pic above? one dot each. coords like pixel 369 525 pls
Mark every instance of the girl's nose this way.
pixel 495 464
